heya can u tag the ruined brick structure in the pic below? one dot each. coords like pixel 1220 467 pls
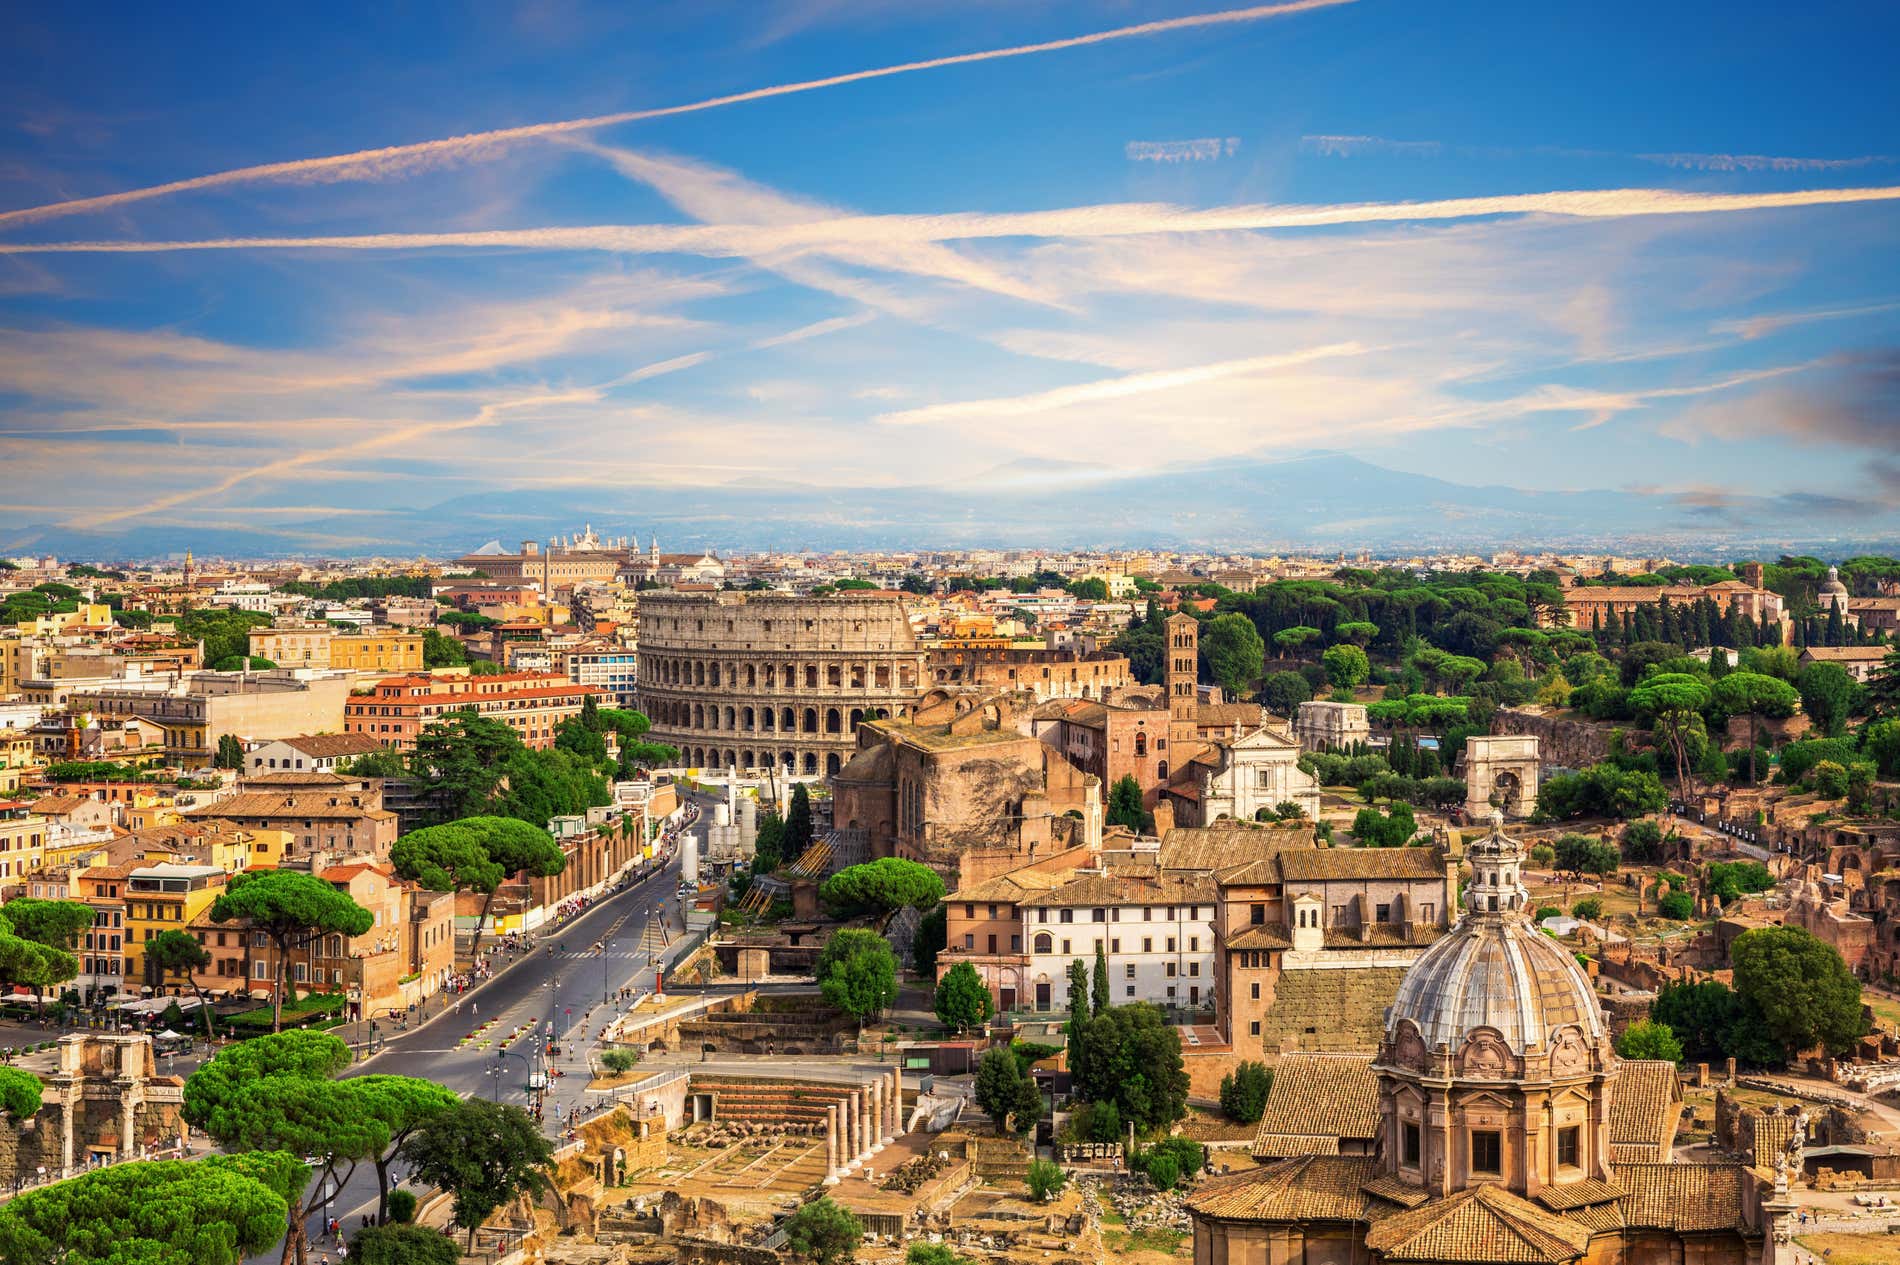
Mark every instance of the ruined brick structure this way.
pixel 106 1102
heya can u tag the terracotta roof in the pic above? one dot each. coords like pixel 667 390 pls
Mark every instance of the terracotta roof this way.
pixel 1645 1104
pixel 1361 863
pixel 1579 1194
pixel 1230 843
pixel 1479 1224
pixel 330 746
pixel 1846 654
pixel 1264 935
pixel 1683 1197
pixel 269 804
pixel 1308 1188
pixel 54 805
pixel 1016 886
pixel 1119 889
pixel 1403 1193
pixel 1320 1096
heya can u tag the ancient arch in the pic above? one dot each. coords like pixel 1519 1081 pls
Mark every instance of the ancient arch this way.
pixel 1501 768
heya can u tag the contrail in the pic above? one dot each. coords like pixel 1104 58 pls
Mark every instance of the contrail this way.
pixel 396 159
pixel 1126 219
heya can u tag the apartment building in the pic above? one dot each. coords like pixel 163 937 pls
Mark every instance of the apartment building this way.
pixel 533 704
pixel 22 843
pixel 161 898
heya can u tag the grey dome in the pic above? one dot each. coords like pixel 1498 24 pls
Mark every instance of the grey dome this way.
pixel 1496 972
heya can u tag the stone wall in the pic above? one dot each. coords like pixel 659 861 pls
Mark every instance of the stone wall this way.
pixel 1318 1010
pixel 1565 739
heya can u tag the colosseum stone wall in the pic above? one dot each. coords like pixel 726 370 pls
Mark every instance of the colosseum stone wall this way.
pixel 768 679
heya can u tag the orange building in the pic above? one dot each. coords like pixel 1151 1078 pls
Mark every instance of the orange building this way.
pixel 533 704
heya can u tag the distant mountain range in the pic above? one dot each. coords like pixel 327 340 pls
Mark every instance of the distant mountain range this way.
pixel 1322 502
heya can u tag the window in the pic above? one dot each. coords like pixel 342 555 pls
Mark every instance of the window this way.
pixel 1194 944
pixel 1194 968
pixel 1257 915
pixel 1256 990
pixel 1569 1146
pixel 1128 970
pixel 1114 946
pixel 1067 915
pixel 1147 944
pixel 1409 1143
pixel 1016 944
pixel 1044 942
pixel 1253 1029
pixel 992 944
pixel 1428 913
pixel 1382 913
pixel 1169 970
pixel 1487 1151
pixel 969 940
pixel 1170 944
pixel 1065 949
pixel 1130 991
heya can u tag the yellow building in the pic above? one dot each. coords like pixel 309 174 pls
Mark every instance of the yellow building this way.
pixel 22 842
pixel 293 645
pixel 88 615
pixel 16 757
pixel 161 898
pixel 393 652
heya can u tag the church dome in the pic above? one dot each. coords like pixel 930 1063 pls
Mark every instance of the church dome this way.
pixel 1494 976
pixel 1832 591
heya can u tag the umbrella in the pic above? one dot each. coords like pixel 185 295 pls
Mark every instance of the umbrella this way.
pixel 169 1035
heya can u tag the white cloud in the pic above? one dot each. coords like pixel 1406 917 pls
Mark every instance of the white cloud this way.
pixel 403 160
pixel 1201 150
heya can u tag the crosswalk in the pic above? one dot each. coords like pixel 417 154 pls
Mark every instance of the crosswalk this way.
pixel 589 955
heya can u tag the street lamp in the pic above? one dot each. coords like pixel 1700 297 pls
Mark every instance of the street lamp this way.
pixel 501 1068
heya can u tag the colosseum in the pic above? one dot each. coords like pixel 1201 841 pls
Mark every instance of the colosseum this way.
pixel 768 679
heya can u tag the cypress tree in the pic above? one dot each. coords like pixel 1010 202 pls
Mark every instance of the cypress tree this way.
pixel 1099 1002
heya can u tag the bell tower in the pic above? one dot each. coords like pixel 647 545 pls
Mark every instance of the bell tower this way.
pixel 1184 658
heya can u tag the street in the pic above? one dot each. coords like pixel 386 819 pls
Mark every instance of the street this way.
pixel 575 988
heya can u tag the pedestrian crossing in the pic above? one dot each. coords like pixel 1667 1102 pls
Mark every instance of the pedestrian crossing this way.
pixel 589 955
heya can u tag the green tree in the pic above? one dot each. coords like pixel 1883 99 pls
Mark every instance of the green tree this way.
pixel 292 909
pixel 1805 993
pixel 460 759
pixel 403 1245
pixel 1754 695
pixel 1881 741
pixel 933 933
pixel 1005 1093
pixel 1674 700
pixel 1578 855
pixel 402 1105
pixel 1828 694
pixel 857 973
pixel 962 1000
pixel 1045 1180
pixel 1677 905
pixel 1712 1022
pixel 1099 999
pixel 1285 691
pixel 1356 631
pixel 35 961
pixel 1346 665
pixel 882 885
pixel 1124 805
pixel 440 651
pixel 1235 652
pixel 1293 640
pixel 215 1211
pixel 175 952
pixel 1883 685
pixel 1590 908
pixel 1391 829
pixel 824 1231
pixel 484 1153
pixel 230 752
pixel 1079 988
pixel 769 850
pixel 1243 1091
pixel 1129 1055
pixel 798 825
pixel 275 1093
pixel 476 854
pixel 20 1093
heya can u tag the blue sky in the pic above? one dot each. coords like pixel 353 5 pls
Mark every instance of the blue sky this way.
pixel 1172 244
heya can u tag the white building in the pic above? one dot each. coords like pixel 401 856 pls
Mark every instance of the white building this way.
pixel 1157 934
pixel 315 753
pixel 1258 771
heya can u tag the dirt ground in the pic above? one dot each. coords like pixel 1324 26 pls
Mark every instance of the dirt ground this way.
pixel 1853 1249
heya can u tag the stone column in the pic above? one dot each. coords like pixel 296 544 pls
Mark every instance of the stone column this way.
pixel 897 1102
pixel 128 1123
pixel 854 1128
pixel 877 1112
pixel 831 1144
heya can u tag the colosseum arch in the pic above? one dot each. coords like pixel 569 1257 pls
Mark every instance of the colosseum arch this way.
pixel 834 721
pixel 747 720
pixel 811 721
pixel 811 676
pixel 832 763
pixel 857 718
pixel 811 762
pixel 788 721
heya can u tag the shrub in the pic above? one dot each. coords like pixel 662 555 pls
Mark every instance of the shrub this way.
pixel 1163 1172
pixel 1546 911
pixel 1243 1091
pixel 619 1061
pixel 1045 1179
pixel 1589 909
pixel 1543 855
pixel 1829 779
pixel 1677 905
pixel 402 1206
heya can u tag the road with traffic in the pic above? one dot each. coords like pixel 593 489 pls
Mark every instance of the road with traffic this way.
pixel 568 983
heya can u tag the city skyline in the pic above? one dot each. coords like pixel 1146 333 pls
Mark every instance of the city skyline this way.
pixel 611 255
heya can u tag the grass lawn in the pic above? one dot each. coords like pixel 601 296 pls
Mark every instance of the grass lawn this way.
pixel 1854 1249
pixel 1885 1009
